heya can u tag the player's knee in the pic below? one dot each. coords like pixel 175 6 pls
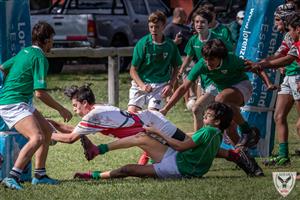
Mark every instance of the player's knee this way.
pixel 38 139
pixel 220 98
pixel 279 117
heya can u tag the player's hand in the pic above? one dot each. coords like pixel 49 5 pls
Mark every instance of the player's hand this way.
pixel 178 38
pixel 147 88
pixel 166 91
pixel 66 114
pixel 163 111
pixel 272 87
pixel 151 129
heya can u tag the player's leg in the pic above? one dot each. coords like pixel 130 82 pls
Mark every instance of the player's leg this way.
pixel 40 176
pixel 285 100
pixel 236 97
pixel 28 126
pixel 297 103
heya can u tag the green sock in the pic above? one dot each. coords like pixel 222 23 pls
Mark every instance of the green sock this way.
pixel 244 128
pixel 96 175
pixel 103 148
pixel 284 149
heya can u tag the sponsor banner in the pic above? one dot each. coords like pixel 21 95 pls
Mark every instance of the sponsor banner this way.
pixel 15 29
pixel 10 145
pixel 259 39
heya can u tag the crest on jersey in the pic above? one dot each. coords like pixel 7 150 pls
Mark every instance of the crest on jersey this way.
pixel 284 182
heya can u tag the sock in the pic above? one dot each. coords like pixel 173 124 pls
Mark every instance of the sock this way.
pixel 284 149
pixel 244 128
pixel 15 173
pixel 103 148
pixel 232 156
pixel 39 172
pixel 96 175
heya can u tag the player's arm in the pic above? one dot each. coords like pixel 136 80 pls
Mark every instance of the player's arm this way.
pixel 187 60
pixel 65 138
pixel 181 90
pixel 178 145
pixel 167 90
pixel 61 127
pixel 263 75
pixel 276 63
pixel 49 101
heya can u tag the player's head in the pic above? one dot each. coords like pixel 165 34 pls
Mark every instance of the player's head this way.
pixel 42 35
pixel 294 26
pixel 200 19
pixel 156 22
pixel 213 52
pixel 218 115
pixel 83 99
pixel 281 16
pixel 210 8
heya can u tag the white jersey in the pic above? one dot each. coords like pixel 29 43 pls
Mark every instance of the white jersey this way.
pixel 112 121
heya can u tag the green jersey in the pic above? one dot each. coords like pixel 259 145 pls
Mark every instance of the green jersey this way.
pixel 196 162
pixel 223 31
pixel 194 46
pixel 292 69
pixel 27 72
pixel 155 61
pixel 230 72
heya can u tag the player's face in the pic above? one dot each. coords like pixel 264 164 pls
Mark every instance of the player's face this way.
pixel 80 108
pixel 209 118
pixel 279 24
pixel 294 33
pixel 212 63
pixel 200 24
pixel 156 29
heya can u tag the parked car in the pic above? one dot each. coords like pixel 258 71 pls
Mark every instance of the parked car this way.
pixel 97 23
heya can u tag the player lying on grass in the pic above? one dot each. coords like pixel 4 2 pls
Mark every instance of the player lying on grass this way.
pixel 189 158
pixel 112 121
pixel 228 73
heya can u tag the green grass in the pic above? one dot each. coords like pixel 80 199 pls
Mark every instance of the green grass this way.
pixel 223 181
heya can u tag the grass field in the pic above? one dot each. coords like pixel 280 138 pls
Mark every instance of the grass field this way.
pixel 223 181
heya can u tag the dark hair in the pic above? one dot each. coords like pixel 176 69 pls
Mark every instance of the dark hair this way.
pixel 157 16
pixel 203 13
pixel 41 32
pixel 80 93
pixel 223 113
pixel 294 20
pixel 208 6
pixel 214 48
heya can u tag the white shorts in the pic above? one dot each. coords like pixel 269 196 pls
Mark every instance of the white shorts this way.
pixel 158 121
pixel 289 86
pixel 13 113
pixel 245 88
pixel 167 167
pixel 139 98
pixel 211 89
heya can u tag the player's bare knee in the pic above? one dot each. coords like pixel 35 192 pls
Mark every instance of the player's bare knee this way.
pixel 38 139
pixel 279 117
pixel 220 98
pixel 140 138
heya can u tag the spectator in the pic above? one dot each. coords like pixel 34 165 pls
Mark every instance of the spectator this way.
pixel 215 26
pixel 236 25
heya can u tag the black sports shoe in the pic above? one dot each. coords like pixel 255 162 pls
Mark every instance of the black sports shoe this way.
pixel 248 164
pixel 249 139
